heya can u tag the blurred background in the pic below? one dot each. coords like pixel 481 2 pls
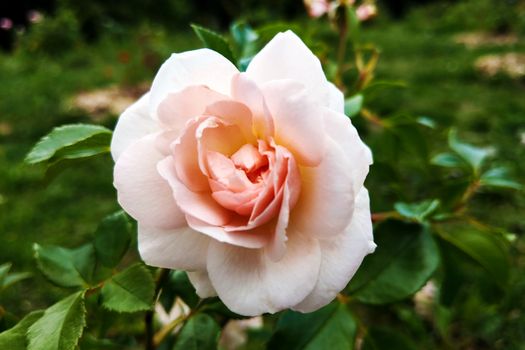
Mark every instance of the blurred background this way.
pixel 460 63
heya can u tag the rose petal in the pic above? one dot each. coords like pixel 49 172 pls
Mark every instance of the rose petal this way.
pixel 141 191
pixel 245 90
pixel 181 248
pixel 197 67
pixel 298 120
pixel 234 113
pixel 325 206
pixel 341 130
pixel 254 238
pixel 277 247
pixel 342 256
pixel 202 284
pixel 287 57
pixel 185 151
pixel 250 284
pixel 177 108
pixel 134 123
pixel 336 99
pixel 199 205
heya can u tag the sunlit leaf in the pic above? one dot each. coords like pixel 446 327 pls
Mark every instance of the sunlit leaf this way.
pixel 474 156
pixel 131 290
pixel 69 142
pixel 448 160
pixel 499 177
pixel 332 327
pixel 426 121
pixel 405 258
pixel 417 211
pixel 245 39
pixel 61 325
pixel 353 105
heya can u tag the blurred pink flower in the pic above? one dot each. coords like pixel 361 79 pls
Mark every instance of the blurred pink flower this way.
pixel 317 8
pixel 6 23
pixel 366 11
pixel 34 16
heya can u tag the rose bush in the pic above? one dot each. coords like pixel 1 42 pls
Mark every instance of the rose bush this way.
pixel 252 182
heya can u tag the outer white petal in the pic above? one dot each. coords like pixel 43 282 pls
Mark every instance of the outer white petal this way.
pixel 336 99
pixel 342 256
pixel 141 191
pixel 134 123
pixel 339 127
pixel 197 67
pixel 202 284
pixel 181 248
pixel 250 284
pixel 326 202
pixel 287 57
pixel 298 120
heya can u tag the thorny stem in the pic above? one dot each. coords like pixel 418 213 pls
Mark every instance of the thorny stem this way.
pixel 148 317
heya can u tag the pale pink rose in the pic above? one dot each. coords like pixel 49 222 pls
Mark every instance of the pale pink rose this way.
pixel 366 11
pixel 252 182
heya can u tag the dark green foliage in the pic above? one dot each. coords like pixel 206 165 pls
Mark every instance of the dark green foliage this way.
pixel 332 327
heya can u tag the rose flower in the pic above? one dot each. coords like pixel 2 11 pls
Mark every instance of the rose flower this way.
pixel 252 182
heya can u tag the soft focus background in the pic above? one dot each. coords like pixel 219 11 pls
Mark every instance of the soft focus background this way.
pixel 459 63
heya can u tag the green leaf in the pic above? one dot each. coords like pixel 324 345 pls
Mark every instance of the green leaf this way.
pixel 214 41
pixel 14 278
pixel 488 249
pixel 245 39
pixel 383 338
pixel 4 270
pixel 66 267
pixel 112 239
pixel 353 105
pixel 15 338
pixel 448 160
pixel 405 258
pixel 417 211
pixel 474 156
pixel 499 177
pixel 178 285
pixel 71 141
pixel 61 325
pixel 200 332
pixel 408 133
pixel 89 342
pixel 426 121
pixel 131 290
pixel 332 327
